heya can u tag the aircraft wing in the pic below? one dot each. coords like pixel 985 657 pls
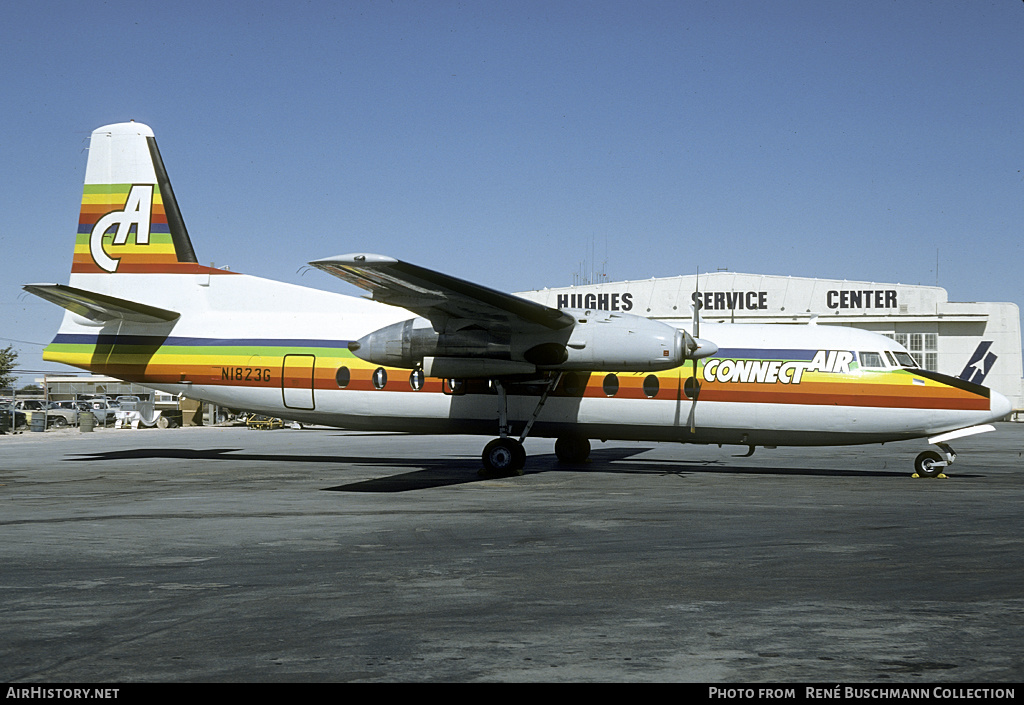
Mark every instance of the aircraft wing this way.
pixel 438 296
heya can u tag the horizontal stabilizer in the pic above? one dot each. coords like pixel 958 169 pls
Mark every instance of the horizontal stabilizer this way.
pixel 100 307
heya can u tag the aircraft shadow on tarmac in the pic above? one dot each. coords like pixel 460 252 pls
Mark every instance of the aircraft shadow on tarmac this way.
pixel 429 473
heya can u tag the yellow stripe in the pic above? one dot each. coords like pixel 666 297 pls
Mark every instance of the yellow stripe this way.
pixel 114 198
pixel 121 250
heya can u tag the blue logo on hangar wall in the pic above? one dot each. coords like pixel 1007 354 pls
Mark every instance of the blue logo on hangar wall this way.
pixel 980 363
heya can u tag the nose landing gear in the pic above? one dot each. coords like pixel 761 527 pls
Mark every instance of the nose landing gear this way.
pixel 933 464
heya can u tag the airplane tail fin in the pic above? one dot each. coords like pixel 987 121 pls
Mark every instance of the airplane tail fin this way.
pixel 130 222
pixel 134 274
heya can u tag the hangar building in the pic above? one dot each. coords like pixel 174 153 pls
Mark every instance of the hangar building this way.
pixel 979 341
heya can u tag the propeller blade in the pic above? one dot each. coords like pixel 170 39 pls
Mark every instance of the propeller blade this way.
pixel 696 314
pixel 696 351
pixel 695 389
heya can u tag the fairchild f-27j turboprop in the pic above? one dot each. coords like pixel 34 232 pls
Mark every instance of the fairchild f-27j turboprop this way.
pixel 434 354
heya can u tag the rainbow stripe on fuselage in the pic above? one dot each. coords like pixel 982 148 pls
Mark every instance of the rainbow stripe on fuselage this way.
pixel 330 385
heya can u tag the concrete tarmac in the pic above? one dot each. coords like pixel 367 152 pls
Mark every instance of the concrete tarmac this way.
pixel 224 554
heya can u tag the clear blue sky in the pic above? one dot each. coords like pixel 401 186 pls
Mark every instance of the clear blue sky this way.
pixel 503 142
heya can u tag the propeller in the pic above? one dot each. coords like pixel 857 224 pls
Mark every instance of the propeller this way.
pixel 694 387
pixel 696 349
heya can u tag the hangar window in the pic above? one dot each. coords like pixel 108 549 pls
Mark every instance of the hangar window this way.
pixel 923 347
pixel 651 386
pixel 343 377
pixel 871 359
pixel 931 346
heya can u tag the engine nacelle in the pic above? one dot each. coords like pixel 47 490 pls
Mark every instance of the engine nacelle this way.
pixel 602 340
pixel 598 340
pixel 406 344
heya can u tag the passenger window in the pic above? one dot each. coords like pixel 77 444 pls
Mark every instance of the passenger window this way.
pixel 416 380
pixel 871 359
pixel 651 386
pixel 611 385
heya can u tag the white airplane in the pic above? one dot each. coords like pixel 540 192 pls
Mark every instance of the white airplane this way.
pixel 434 354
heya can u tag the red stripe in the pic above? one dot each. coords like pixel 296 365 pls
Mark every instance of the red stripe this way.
pixel 131 264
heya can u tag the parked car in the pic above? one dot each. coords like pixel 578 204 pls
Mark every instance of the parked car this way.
pixel 12 419
pixel 63 413
pixel 103 409
pixel 55 416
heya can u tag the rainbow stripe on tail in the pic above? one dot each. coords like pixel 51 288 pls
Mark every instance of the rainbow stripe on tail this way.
pixel 130 222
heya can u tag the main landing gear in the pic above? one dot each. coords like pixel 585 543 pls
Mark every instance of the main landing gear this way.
pixel 505 455
pixel 933 464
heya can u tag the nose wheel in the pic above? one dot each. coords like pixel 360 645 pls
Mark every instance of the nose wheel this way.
pixel 933 464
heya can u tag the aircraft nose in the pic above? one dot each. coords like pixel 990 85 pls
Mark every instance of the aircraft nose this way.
pixel 999 405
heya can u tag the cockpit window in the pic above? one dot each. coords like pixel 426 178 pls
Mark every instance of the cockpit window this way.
pixel 892 358
pixel 905 359
pixel 871 359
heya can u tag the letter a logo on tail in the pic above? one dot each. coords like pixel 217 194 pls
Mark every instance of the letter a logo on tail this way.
pixel 137 211
pixel 130 222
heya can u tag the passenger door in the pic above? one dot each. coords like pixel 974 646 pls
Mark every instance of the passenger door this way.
pixel 297 376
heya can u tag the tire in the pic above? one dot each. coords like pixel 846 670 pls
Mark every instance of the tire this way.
pixel 926 464
pixel 59 422
pixel 504 456
pixel 572 450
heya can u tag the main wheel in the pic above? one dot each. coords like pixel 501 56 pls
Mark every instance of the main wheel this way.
pixel 504 456
pixel 928 464
pixel 572 450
